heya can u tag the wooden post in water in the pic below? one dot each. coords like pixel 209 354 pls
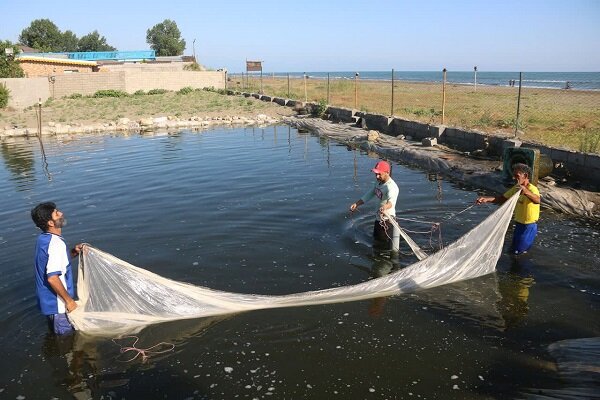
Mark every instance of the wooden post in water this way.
pixel 518 104
pixel 39 119
pixel 444 96
pixel 392 111
pixel 356 90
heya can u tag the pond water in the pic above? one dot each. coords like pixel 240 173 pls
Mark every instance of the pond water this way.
pixel 264 210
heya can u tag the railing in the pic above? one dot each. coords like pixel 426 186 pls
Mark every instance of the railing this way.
pixel 99 55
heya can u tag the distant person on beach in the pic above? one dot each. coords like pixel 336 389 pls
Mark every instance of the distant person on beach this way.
pixel 386 191
pixel 53 275
pixel 568 85
pixel 527 210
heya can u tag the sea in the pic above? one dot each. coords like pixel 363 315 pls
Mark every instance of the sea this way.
pixel 547 80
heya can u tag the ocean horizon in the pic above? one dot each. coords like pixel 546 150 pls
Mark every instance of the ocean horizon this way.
pixel 547 80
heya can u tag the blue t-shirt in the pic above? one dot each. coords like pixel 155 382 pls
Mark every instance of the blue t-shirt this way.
pixel 52 258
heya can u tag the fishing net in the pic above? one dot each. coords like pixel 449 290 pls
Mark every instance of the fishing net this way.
pixel 116 297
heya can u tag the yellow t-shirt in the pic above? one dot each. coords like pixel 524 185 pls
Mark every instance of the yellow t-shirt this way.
pixel 526 211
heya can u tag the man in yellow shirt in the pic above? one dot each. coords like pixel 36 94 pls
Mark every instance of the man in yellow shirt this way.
pixel 527 210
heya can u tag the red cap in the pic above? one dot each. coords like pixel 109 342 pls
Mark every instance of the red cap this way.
pixel 380 167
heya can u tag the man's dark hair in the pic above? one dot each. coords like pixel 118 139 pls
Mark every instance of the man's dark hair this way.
pixel 42 213
pixel 524 168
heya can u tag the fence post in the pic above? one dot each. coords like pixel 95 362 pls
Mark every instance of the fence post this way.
pixel 518 104
pixel 356 90
pixel 328 88
pixel 261 86
pixel 444 97
pixel 305 90
pixel 392 112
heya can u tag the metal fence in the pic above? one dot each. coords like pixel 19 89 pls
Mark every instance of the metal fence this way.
pixel 561 114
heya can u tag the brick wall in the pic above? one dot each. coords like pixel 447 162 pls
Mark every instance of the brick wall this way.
pixel 26 91
pixel 86 84
pixel 35 68
pixel 171 80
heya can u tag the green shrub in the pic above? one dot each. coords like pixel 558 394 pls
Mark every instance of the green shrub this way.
pixel 139 93
pixel 75 96
pixel 110 93
pixel 185 90
pixel 193 67
pixel 4 95
pixel 157 91
pixel 320 109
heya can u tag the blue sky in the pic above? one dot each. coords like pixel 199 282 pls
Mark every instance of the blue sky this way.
pixel 335 35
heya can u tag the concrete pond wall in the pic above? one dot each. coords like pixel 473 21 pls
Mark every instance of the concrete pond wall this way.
pixel 584 167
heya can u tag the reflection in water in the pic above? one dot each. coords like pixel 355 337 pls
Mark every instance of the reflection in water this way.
pixel 383 263
pixel 44 159
pixel 514 290
pixel 436 178
pixel 87 365
pixel 19 161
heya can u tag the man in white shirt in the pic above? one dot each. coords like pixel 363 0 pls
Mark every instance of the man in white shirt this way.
pixel 386 191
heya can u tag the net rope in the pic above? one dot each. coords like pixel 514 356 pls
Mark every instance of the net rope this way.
pixel 116 297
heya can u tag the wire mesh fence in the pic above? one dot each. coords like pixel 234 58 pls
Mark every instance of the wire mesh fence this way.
pixel 564 113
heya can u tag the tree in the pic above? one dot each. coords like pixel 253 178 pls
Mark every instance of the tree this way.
pixel 9 67
pixel 42 34
pixel 94 42
pixel 69 41
pixel 165 39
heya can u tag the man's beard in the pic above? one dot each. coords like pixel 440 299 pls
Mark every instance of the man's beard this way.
pixel 60 222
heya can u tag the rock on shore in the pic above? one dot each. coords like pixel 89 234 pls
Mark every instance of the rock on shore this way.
pixel 143 124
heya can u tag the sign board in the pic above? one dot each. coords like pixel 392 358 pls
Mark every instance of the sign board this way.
pixel 253 65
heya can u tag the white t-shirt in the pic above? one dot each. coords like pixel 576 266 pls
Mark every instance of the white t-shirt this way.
pixel 387 191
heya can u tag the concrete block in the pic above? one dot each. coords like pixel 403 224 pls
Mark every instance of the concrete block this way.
pixel 559 155
pixel 429 142
pixel 377 122
pixel 341 114
pixel 437 131
pixel 576 159
pixel 592 161
pixel 266 98
pixel 470 136
pixel 280 101
pixel 256 96
pixel 395 127
pixel 506 143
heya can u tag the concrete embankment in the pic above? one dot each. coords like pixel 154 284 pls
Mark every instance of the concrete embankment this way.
pixel 141 125
pixel 484 173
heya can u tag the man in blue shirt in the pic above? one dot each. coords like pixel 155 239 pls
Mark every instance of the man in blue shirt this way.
pixel 53 274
